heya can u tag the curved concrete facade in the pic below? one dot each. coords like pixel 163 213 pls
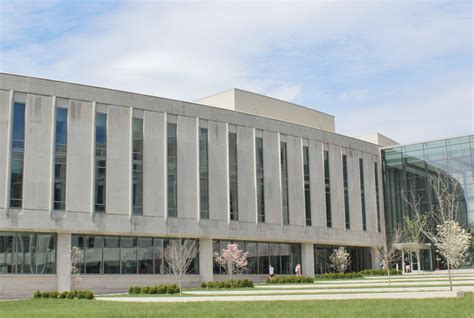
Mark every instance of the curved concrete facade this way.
pixel 38 215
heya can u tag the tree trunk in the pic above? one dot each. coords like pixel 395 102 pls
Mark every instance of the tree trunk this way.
pixel 179 285
pixel 418 261
pixel 449 276
pixel 388 275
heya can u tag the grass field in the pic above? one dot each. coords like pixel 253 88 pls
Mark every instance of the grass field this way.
pixel 454 307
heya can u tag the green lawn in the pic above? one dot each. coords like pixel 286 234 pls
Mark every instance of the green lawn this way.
pixel 457 307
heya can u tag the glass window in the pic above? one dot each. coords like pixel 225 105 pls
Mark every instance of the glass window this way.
pixel 93 254
pixel 7 248
pixel 172 171
pixel 145 256
pixel 233 178
pixel 128 255
pixel 307 186
pixel 327 184
pixel 159 259
pixel 137 172
pixel 275 261
pixel 346 191
pixel 285 252
pixel 377 193
pixel 17 156
pixel 203 173
pixel 263 260
pixel 79 242
pixel 112 255
pixel 60 159
pixel 100 161
pixel 252 260
pixel 284 183
pixel 362 194
pixel 260 175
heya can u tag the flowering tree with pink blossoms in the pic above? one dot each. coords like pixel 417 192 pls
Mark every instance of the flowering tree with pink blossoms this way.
pixel 233 260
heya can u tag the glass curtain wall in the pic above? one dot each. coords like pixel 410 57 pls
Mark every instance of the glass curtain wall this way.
pixel 260 175
pixel 346 192
pixel 233 178
pixel 17 155
pixel 172 171
pixel 27 253
pixel 307 185
pixel 203 173
pixel 282 256
pixel 360 258
pixel 362 194
pixel 284 183
pixel 124 255
pixel 327 184
pixel 100 161
pixel 137 169
pixel 60 159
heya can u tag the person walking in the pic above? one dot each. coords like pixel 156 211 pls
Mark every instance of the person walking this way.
pixel 298 270
pixel 271 271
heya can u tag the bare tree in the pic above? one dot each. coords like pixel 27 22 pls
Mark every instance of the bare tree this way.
pixel 414 234
pixel 389 253
pixel 442 227
pixel 233 260
pixel 178 255
pixel 76 260
pixel 340 260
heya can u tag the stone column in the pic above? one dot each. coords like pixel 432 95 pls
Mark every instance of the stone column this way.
pixel 63 262
pixel 375 258
pixel 307 256
pixel 206 260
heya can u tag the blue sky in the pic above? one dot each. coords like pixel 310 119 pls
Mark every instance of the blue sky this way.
pixel 402 68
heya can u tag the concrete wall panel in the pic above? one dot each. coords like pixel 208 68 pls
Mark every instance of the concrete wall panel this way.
pixel 154 164
pixel 4 144
pixel 218 174
pixel 118 161
pixel 295 181
pixel 38 153
pixel 337 191
pixel 271 158
pixel 354 190
pixel 246 175
pixel 79 157
pixel 187 168
pixel 316 169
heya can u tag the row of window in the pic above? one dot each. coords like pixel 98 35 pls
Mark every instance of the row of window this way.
pixel 27 253
pixel 124 255
pixel 100 170
pixel 283 257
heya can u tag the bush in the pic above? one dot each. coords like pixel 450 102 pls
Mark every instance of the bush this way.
pixel 379 272
pixel 290 280
pixel 137 290
pixel 70 295
pixel 89 295
pixel 146 290
pixel 153 290
pixel 240 283
pixel 45 294
pixel 54 294
pixel 162 289
pixel 37 294
pixel 339 276
pixel 63 294
pixel 131 290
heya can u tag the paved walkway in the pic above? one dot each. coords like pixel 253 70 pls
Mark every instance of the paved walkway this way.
pixel 414 295
pixel 369 284
pixel 251 291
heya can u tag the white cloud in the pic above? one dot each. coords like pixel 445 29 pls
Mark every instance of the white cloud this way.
pixel 189 50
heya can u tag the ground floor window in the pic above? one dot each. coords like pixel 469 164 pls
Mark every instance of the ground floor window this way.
pixel 282 256
pixel 360 258
pixel 27 253
pixel 124 255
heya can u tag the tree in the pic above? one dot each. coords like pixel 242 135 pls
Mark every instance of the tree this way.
pixel 76 260
pixel 233 260
pixel 442 227
pixel 340 260
pixel 178 255
pixel 388 253
pixel 414 233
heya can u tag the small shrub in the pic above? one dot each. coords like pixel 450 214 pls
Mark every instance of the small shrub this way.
pixel 89 295
pixel 37 294
pixel 63 295
pixel 45 294
pixel 54 294
pixel 154 290
pixel 137 290
pixel 81 295
pixel 131 290
pixel 70 295
pixel 145 290
pixel 203 285
pixel 289 280
pixel 162 289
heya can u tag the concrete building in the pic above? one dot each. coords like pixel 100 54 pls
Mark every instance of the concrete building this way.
pixel 120 174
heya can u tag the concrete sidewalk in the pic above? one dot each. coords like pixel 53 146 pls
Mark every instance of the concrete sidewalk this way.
pixel 415 295
pixel 363 284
